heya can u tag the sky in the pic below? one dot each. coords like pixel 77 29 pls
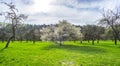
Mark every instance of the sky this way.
pixel 78 12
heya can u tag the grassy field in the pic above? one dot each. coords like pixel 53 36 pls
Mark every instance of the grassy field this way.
pixel 70 54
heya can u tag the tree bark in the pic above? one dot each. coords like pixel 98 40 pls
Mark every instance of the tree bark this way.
pixel 92 42
pixel 115 34
pixel 13 35
pixel 115 40
pixel 8 41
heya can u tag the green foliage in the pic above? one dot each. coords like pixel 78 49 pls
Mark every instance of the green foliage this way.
pixel 70 54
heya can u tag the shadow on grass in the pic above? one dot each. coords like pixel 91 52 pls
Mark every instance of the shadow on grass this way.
pixel 74 48
pixel 2 49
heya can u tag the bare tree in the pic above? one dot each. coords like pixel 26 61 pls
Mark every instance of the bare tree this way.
pixel 112 19
pixel 14 17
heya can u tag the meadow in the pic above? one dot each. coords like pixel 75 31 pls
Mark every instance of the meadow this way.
pixel 69 54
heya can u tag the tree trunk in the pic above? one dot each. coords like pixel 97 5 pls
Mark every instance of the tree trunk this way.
pixel 119 37
pixel 115 41
pixel 81 41
pixel 115 34
pixel 98 39
pixel 33 41
pixel 115 38
pixel 8 41
pixel 33 37
pixel 93 42
pixel 13 35
pixel 60 42
pixel 88 40
pixel 21 39
pixel 26 40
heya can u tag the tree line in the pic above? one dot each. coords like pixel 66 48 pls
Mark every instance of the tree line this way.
pixel 63 31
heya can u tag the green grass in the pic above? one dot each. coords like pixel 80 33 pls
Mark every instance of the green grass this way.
pixel 70 54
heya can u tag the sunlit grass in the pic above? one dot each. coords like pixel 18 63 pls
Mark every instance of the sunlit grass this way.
pixel 70 54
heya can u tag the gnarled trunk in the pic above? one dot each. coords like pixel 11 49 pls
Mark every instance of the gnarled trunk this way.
pixel 8 41
pixel 115 34
pixel 11 37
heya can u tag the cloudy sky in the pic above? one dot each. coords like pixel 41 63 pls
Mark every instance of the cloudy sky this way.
pixel 79 12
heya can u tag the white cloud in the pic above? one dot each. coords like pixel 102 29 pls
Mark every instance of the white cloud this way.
pixel 40 6
pixel 50 11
